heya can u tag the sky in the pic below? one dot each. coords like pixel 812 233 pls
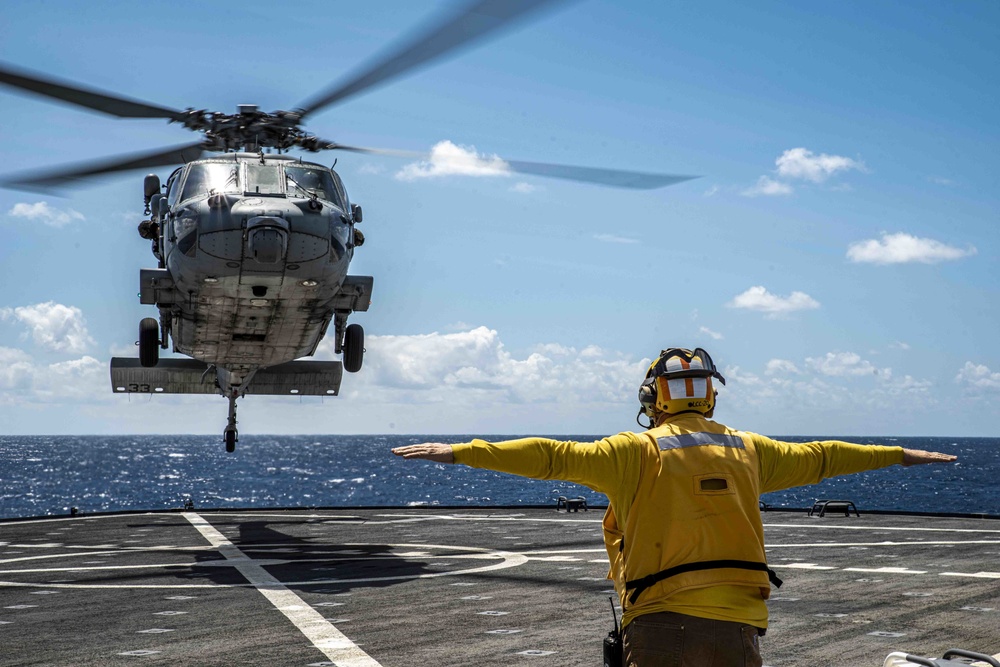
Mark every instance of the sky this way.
pixel 837 254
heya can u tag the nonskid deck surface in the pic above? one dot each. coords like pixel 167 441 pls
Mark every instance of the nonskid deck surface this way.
pixel 425 586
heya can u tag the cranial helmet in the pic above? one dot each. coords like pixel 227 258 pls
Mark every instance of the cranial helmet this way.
pixel 679 381
pixel 309 180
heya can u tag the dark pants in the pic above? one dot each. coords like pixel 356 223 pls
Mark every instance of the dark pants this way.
pixel 677 640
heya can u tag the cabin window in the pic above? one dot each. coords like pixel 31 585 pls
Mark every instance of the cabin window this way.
pixel 263 179
pixel 210 178
pixel 310 181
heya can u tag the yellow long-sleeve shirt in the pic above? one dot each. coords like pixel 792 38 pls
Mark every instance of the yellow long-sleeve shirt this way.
pixel 626 466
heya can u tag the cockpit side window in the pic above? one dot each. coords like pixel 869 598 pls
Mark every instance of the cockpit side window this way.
pixel 263 179
pixel 341 191
pixel 312 181
pixel 210 178
pixel 174 186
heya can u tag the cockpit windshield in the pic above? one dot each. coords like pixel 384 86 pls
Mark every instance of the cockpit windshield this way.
pixel 211 177
pixel 306 181
pixel 263 179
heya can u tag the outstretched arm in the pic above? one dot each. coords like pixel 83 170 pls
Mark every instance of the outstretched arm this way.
pixel 431 451
pixel 912 457
pixel 603 465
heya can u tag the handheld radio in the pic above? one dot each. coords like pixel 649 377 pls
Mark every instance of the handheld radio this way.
pixel 613 642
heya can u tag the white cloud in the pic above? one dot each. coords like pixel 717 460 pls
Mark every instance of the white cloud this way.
pixel 371 169
pixel 24 382
pixel 16 370
pixel 84 378
pixel 711 192
pixel 902 248
pixel 45 214
pixel 758 298
pixel 978 376
pixel 473 368
pixel 843 364
pixel 908 385
pixel 804 164
pixel 611 238
pixel 448 159
pixel 767 187
pixel 711 334
pixel 825 396
pixel 899 345
pixel 523 188
pixel 53 325
pixel 781 367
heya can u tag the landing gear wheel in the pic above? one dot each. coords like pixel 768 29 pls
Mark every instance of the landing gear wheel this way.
pixel 354 348
pixel 230 436
pixel 149 342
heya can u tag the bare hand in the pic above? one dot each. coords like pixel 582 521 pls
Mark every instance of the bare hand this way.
pixel 912 457
pixel 431 451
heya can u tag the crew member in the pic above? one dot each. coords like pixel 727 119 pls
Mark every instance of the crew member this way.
pixel 683 530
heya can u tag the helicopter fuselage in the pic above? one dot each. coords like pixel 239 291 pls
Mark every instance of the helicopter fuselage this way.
pixel 254 253
pixel 256 271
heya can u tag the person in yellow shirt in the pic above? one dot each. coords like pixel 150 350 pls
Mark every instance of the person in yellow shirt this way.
pixel 683 530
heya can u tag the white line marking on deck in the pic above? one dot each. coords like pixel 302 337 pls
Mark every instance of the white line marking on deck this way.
pixel 323 635
pixel 905 529
pixel 885 570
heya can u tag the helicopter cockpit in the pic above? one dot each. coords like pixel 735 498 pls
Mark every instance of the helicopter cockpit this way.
pixel 312 182
pixel 306 181
pixel 211 177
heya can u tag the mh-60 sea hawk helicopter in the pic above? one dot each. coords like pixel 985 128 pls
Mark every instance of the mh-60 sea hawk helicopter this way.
pixel 253 245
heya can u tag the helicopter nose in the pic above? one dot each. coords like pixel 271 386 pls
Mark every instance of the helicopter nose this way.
pixel 267 245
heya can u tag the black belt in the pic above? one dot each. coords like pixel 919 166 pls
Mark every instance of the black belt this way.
pixel 645 582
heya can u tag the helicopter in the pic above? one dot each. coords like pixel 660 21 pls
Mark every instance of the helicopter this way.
pixel 253 245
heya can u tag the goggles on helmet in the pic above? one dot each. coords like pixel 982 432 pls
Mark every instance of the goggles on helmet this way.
pixel 669 365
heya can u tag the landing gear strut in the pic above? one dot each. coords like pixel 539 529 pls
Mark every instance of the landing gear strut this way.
pixel 231 435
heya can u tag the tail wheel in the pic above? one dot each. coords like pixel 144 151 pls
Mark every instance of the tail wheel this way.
pixel 354 348
pixel 149 342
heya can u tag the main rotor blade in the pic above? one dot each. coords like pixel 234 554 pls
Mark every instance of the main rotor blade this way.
pixel 616 178
pixel 92 99
pixel 474 22
pixel 52 179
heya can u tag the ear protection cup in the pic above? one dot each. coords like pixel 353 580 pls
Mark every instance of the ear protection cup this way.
pixel 647 394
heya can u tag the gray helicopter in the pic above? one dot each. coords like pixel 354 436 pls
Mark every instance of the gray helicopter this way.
pixel 253 245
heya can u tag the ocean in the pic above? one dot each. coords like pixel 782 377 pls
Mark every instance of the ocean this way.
pixel 48 475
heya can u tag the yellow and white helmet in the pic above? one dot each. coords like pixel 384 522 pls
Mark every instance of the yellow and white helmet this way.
pixel 679 381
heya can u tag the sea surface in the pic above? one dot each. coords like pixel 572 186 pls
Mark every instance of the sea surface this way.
pixel 46 475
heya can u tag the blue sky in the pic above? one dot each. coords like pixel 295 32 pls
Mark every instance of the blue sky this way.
pixel 837 255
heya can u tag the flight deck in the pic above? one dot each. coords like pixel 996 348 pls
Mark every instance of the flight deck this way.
pixel 396 587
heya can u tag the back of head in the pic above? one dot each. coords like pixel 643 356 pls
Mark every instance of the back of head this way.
pixel 679 381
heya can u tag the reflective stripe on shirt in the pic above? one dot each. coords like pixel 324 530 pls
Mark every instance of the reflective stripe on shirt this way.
pixel 697 439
